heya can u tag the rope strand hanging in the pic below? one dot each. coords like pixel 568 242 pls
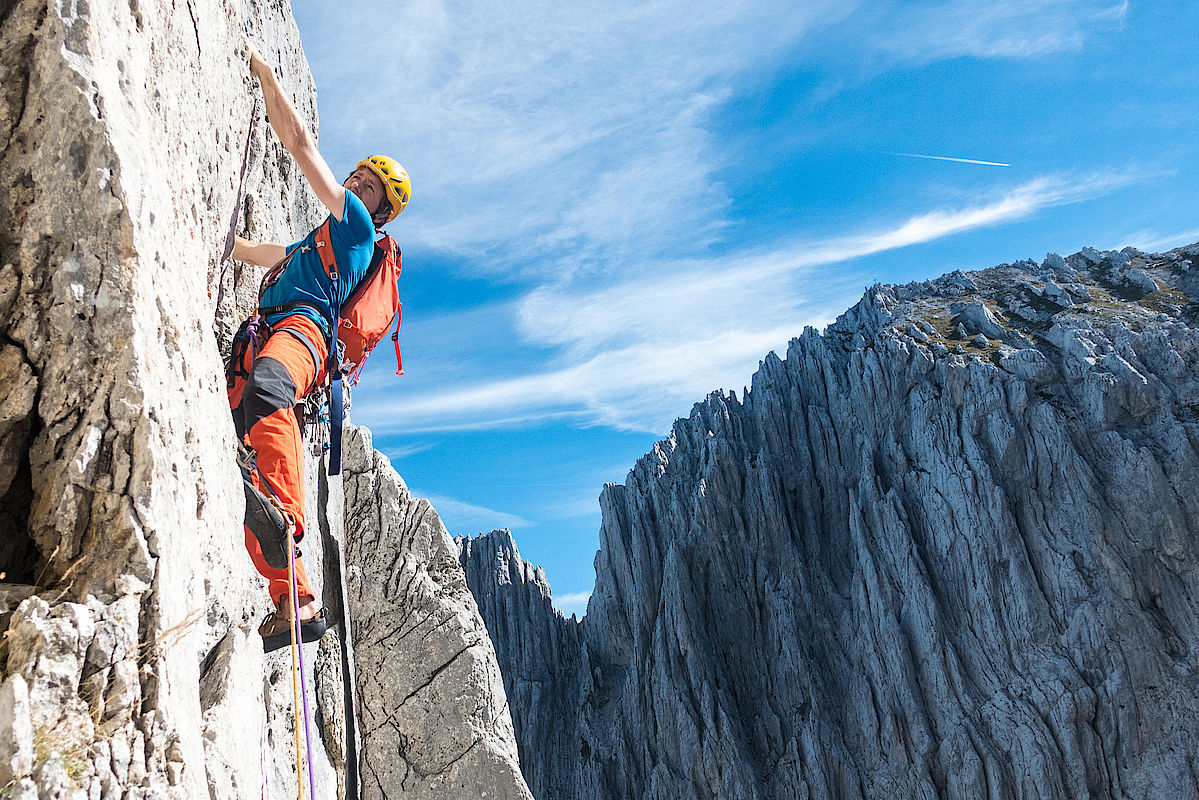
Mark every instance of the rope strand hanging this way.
pixel 301 687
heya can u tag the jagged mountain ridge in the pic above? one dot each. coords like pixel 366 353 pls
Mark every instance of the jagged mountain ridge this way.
pixel 947 548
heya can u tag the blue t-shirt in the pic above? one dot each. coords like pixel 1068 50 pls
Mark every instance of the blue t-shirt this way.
pixel 305 281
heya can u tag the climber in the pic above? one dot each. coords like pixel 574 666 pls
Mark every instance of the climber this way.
pixel 281 354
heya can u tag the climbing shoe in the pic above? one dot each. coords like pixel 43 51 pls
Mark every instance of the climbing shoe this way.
pixel 268 523
pixel 275 630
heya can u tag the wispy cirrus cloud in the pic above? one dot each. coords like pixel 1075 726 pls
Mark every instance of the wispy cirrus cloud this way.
pixel 395 453
pixel 640 387
pixel 691 298
pixel 636 354
pixel 1156 242
pixel 573 131
pixel 941 29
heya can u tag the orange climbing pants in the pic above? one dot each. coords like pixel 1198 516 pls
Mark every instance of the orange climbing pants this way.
pixel 263 391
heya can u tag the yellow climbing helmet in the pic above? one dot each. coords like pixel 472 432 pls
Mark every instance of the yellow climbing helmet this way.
pixel 395 181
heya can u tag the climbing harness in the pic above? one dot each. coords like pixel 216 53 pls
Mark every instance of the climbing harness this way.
pixel 252 335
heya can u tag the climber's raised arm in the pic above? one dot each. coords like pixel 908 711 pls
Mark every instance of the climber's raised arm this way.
pixel 295 137
pixel 264 254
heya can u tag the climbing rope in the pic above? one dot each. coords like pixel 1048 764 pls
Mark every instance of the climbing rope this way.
pixel 241 195
pixel 299 675
pixel 299 679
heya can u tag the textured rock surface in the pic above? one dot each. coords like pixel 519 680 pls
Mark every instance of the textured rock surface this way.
pixel 912 562
pixel 116 496
pixel 540 656
pixel 130 665
pixel 435 723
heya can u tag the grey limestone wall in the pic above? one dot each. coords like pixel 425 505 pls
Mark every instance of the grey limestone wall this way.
pixel 540 654
pixel 948 548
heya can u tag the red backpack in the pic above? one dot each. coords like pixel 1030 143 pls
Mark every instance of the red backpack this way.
pixel 364 319
pixel 366 316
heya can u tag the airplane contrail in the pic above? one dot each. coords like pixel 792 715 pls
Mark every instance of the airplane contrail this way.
pixel 959 160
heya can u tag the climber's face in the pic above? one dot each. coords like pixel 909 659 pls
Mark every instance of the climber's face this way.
pixel 367 186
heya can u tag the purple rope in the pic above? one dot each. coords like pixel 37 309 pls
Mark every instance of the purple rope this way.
pixel 295 620
pixel 252 330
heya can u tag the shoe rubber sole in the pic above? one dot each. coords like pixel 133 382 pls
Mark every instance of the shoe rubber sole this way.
pixel 310 631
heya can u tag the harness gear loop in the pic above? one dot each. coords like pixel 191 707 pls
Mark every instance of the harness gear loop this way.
pixel 252 335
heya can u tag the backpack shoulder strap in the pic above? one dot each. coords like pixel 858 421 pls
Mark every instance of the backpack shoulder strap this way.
pixel 324 249
pixel 388 246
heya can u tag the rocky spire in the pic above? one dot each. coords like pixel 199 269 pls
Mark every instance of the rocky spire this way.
pixel 948 548
pixel 541 656
pixel 434 716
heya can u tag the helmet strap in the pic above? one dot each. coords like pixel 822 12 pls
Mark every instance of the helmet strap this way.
pixel 382 214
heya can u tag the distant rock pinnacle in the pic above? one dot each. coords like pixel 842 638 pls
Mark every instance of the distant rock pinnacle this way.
pixel 949 548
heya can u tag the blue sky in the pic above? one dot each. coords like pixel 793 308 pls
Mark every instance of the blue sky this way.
pixel 618 208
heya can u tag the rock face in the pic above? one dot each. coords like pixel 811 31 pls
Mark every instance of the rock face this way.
pixel 118 503
pixel 130 666
pixel 949 548
pixel 435 722
pixel 540 656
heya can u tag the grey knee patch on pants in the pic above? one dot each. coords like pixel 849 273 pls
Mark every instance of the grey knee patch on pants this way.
pixel 268 389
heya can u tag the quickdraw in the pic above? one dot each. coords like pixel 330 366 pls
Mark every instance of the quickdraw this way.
pixel 313 413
